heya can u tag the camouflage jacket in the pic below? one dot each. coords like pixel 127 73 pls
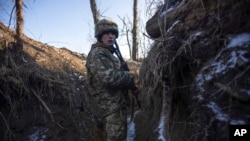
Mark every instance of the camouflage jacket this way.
pixel 105 79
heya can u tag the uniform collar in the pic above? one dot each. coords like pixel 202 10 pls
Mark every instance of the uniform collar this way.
pixel 99 44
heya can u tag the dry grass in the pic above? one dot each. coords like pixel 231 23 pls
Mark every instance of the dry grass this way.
pixel 44 80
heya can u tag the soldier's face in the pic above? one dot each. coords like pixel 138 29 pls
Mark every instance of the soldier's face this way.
pixel 108 38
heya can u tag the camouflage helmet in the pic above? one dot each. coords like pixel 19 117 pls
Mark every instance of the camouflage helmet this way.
pixel 105 25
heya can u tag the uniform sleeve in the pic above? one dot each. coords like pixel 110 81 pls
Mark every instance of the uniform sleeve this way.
pixel 104 71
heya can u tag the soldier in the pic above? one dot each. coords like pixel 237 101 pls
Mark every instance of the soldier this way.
pixel 107 82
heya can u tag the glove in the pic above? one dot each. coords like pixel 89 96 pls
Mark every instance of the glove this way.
pixel 124 66
pixel 135 90
pixel 133 87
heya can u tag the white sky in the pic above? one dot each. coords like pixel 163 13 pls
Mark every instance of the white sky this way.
pixel 69 23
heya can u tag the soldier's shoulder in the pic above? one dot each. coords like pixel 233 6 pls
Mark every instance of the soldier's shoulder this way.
pixel 98 52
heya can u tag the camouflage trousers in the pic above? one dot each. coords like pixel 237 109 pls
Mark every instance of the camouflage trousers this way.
pixel 116 126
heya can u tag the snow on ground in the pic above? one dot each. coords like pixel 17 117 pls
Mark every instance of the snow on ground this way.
pixel 131 128
pixel 161 129
pixel 234 55
pixel 237 122
pixel 39 135
pixel 223 62
pixel 239 40
pixel 219 115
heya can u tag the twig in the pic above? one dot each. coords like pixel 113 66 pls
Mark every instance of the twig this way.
pixel 7 125
pixel 202 4
pixel 228 90
pixel 11 15
pixel 235 78
pixel 47 109
pixel 44 105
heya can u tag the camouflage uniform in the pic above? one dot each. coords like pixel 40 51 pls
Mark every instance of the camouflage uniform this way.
pixel 106 83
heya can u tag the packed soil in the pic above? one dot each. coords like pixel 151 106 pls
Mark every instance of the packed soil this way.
pixel 195 79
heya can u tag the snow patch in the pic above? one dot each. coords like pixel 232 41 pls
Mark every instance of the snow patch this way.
pixel 200 97
pixel 198 33
pixel 39 135
pixel 80 77
pixel 223 62
pixel 239 40
pixel 237 122
pixel 247 92
pixel 131 128
pixel 161 129
pixel 219 115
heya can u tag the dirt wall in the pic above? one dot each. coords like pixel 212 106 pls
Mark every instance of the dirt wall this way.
pixel 195 78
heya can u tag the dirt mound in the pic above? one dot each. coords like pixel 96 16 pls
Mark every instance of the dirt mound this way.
pixel 195 79
pixel 42 93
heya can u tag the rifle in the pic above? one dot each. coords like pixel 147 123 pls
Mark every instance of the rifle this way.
pixel 124 67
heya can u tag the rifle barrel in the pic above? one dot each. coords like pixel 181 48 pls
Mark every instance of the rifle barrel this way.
pixel 118 53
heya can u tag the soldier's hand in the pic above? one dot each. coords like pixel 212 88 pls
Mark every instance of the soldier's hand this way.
pixel 124 66
pixel 135 90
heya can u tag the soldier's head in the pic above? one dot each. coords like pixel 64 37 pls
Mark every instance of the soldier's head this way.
pixel 106 31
